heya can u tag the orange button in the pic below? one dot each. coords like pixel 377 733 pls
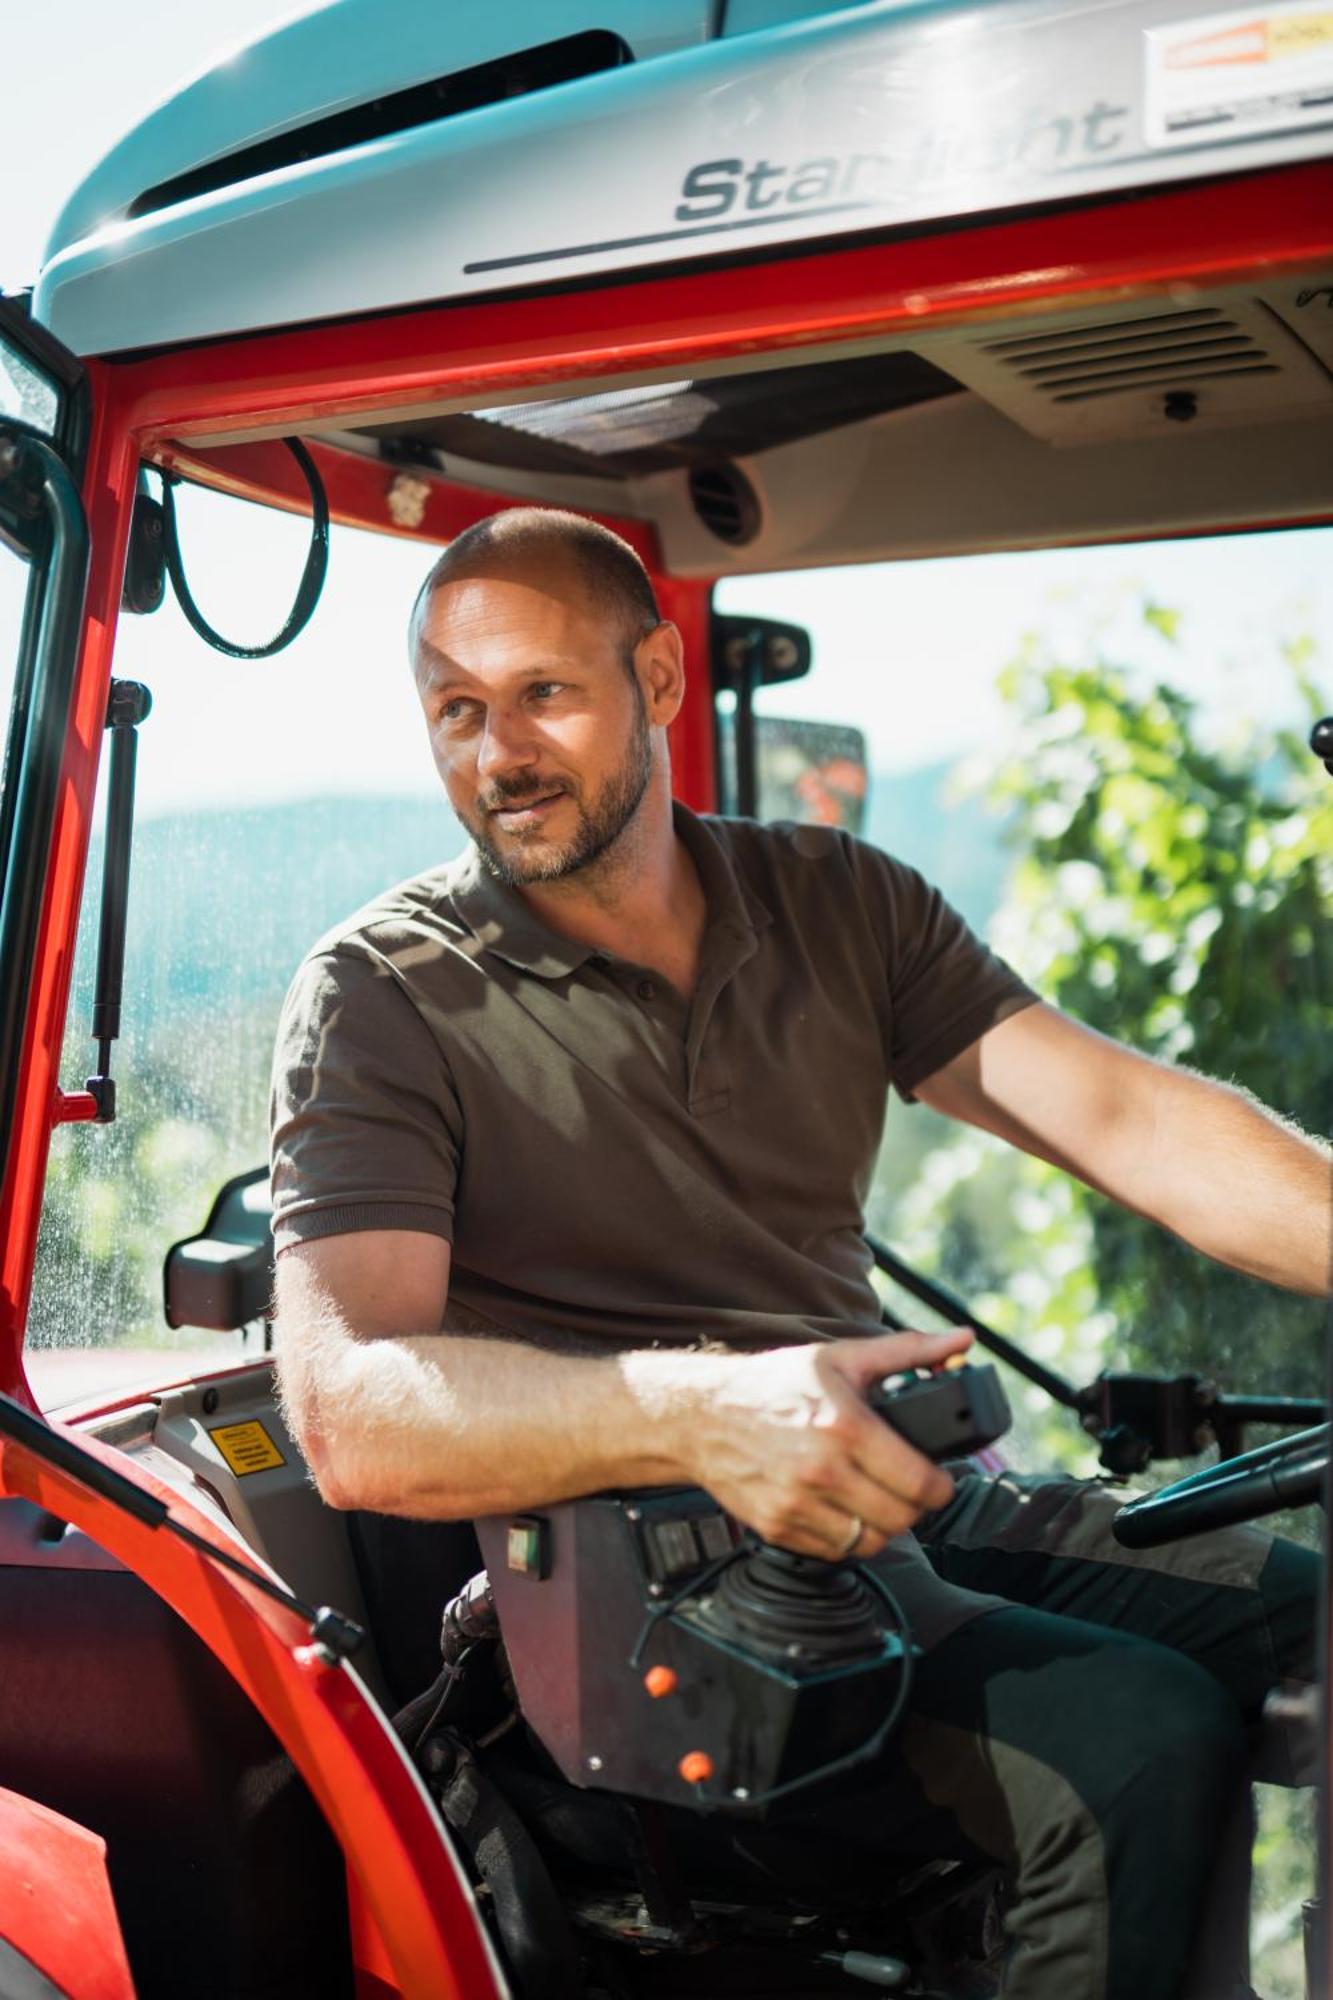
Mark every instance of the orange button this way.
pixel 695 1767
pixel 660 1681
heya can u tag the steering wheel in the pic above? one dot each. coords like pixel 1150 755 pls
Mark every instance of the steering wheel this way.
pixel 1289 1473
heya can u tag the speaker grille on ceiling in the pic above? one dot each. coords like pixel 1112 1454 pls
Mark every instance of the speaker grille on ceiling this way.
pixel 1165 349
pixel 725 502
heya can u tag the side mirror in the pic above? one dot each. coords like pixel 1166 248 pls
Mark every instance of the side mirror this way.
pixel 758 652
pixel 222 1279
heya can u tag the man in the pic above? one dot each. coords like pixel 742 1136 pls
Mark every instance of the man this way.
pixel 570 1147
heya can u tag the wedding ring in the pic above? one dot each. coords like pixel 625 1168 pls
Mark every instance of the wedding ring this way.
pixel 854 1534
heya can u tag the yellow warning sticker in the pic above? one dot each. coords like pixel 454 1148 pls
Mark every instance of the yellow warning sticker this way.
pixel 247 1447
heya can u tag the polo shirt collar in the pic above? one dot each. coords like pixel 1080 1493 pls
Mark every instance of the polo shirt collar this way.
pixel 503 923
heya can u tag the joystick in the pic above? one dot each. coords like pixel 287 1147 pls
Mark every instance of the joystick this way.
pixel 945 1412
pixel 659 1651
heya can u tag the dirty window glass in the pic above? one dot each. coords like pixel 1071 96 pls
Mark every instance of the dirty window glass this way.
pixel 273 798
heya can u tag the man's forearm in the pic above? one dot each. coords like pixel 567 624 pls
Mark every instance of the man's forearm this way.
pixel 446 1426
pixel 1239 1183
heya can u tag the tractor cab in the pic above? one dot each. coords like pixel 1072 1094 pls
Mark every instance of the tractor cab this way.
pixel 831 313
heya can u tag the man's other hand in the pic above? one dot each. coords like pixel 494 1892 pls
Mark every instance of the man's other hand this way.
pixel 788 1445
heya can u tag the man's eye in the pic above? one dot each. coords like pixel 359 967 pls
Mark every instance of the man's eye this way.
pixel 545 689
pixel 453 710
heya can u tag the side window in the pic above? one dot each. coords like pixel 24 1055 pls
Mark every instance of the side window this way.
pixel 1100 757
pixel 273 798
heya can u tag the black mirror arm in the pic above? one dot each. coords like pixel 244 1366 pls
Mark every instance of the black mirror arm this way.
pixel 749 676
pixel 128 705
pixel 952 1308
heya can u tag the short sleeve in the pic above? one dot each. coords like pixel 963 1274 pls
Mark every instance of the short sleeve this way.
pixel 366 1126
pixel 946 989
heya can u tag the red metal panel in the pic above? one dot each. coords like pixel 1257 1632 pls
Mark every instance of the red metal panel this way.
pixel 56 1905
pixel 1207 233
pixel 359 490
pixel 415 1901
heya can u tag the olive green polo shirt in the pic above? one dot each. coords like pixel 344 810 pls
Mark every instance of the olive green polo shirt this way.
pixel 610 1161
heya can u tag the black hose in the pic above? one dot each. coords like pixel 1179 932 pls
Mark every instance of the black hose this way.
pixel 312 578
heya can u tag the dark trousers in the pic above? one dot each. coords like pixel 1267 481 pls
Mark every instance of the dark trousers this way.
pixel 1096 1735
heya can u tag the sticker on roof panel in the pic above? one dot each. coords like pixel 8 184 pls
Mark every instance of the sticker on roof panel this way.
pixel 247 1447
pixel 1239 75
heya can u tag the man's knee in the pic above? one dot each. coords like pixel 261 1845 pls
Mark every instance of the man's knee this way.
pixel 1173 1718
pixel 1130 1725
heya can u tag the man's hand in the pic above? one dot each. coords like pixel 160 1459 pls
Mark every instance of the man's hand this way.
pixel 787 1443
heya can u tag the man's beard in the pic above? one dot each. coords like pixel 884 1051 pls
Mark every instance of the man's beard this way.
pixel 600 823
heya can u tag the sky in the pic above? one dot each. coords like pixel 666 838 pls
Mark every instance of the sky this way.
pixel 910 651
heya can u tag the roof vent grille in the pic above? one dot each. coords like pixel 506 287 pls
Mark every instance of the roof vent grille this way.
pixel 1161 370
pixel 1086 362
pixel 725 502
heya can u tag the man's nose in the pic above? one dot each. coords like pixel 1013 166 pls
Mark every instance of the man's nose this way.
pixel 507 744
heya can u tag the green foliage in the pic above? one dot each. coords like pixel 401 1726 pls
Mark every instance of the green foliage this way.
pixel 1172 891
pixel 191 1114
pixel 1175 893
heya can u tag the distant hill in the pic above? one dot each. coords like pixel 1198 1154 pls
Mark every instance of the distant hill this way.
pixel 224 904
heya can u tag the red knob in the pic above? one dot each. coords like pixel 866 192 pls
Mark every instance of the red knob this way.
pixel 660 1681
pixel 695 1767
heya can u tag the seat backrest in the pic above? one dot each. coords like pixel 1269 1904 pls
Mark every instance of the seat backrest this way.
pixel 408 1572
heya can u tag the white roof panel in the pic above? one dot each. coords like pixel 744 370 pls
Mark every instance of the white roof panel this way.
pixel 873 116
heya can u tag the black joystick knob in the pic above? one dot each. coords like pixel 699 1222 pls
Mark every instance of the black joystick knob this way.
pixel 1321 742
pixel 784 1606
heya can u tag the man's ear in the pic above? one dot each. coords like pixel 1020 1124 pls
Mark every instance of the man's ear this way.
pixel 659 662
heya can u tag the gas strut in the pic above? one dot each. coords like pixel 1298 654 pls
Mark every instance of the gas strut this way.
pixel 128 705
pixel 335 1635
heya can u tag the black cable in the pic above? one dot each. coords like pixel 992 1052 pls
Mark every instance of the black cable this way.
pixel 950 1307
pixel 312 578
pixel 873 1743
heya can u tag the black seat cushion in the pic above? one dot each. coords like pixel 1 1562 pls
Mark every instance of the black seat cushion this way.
pixel 409 1570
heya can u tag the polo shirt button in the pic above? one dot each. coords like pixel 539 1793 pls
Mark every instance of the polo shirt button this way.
pixel 647 990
